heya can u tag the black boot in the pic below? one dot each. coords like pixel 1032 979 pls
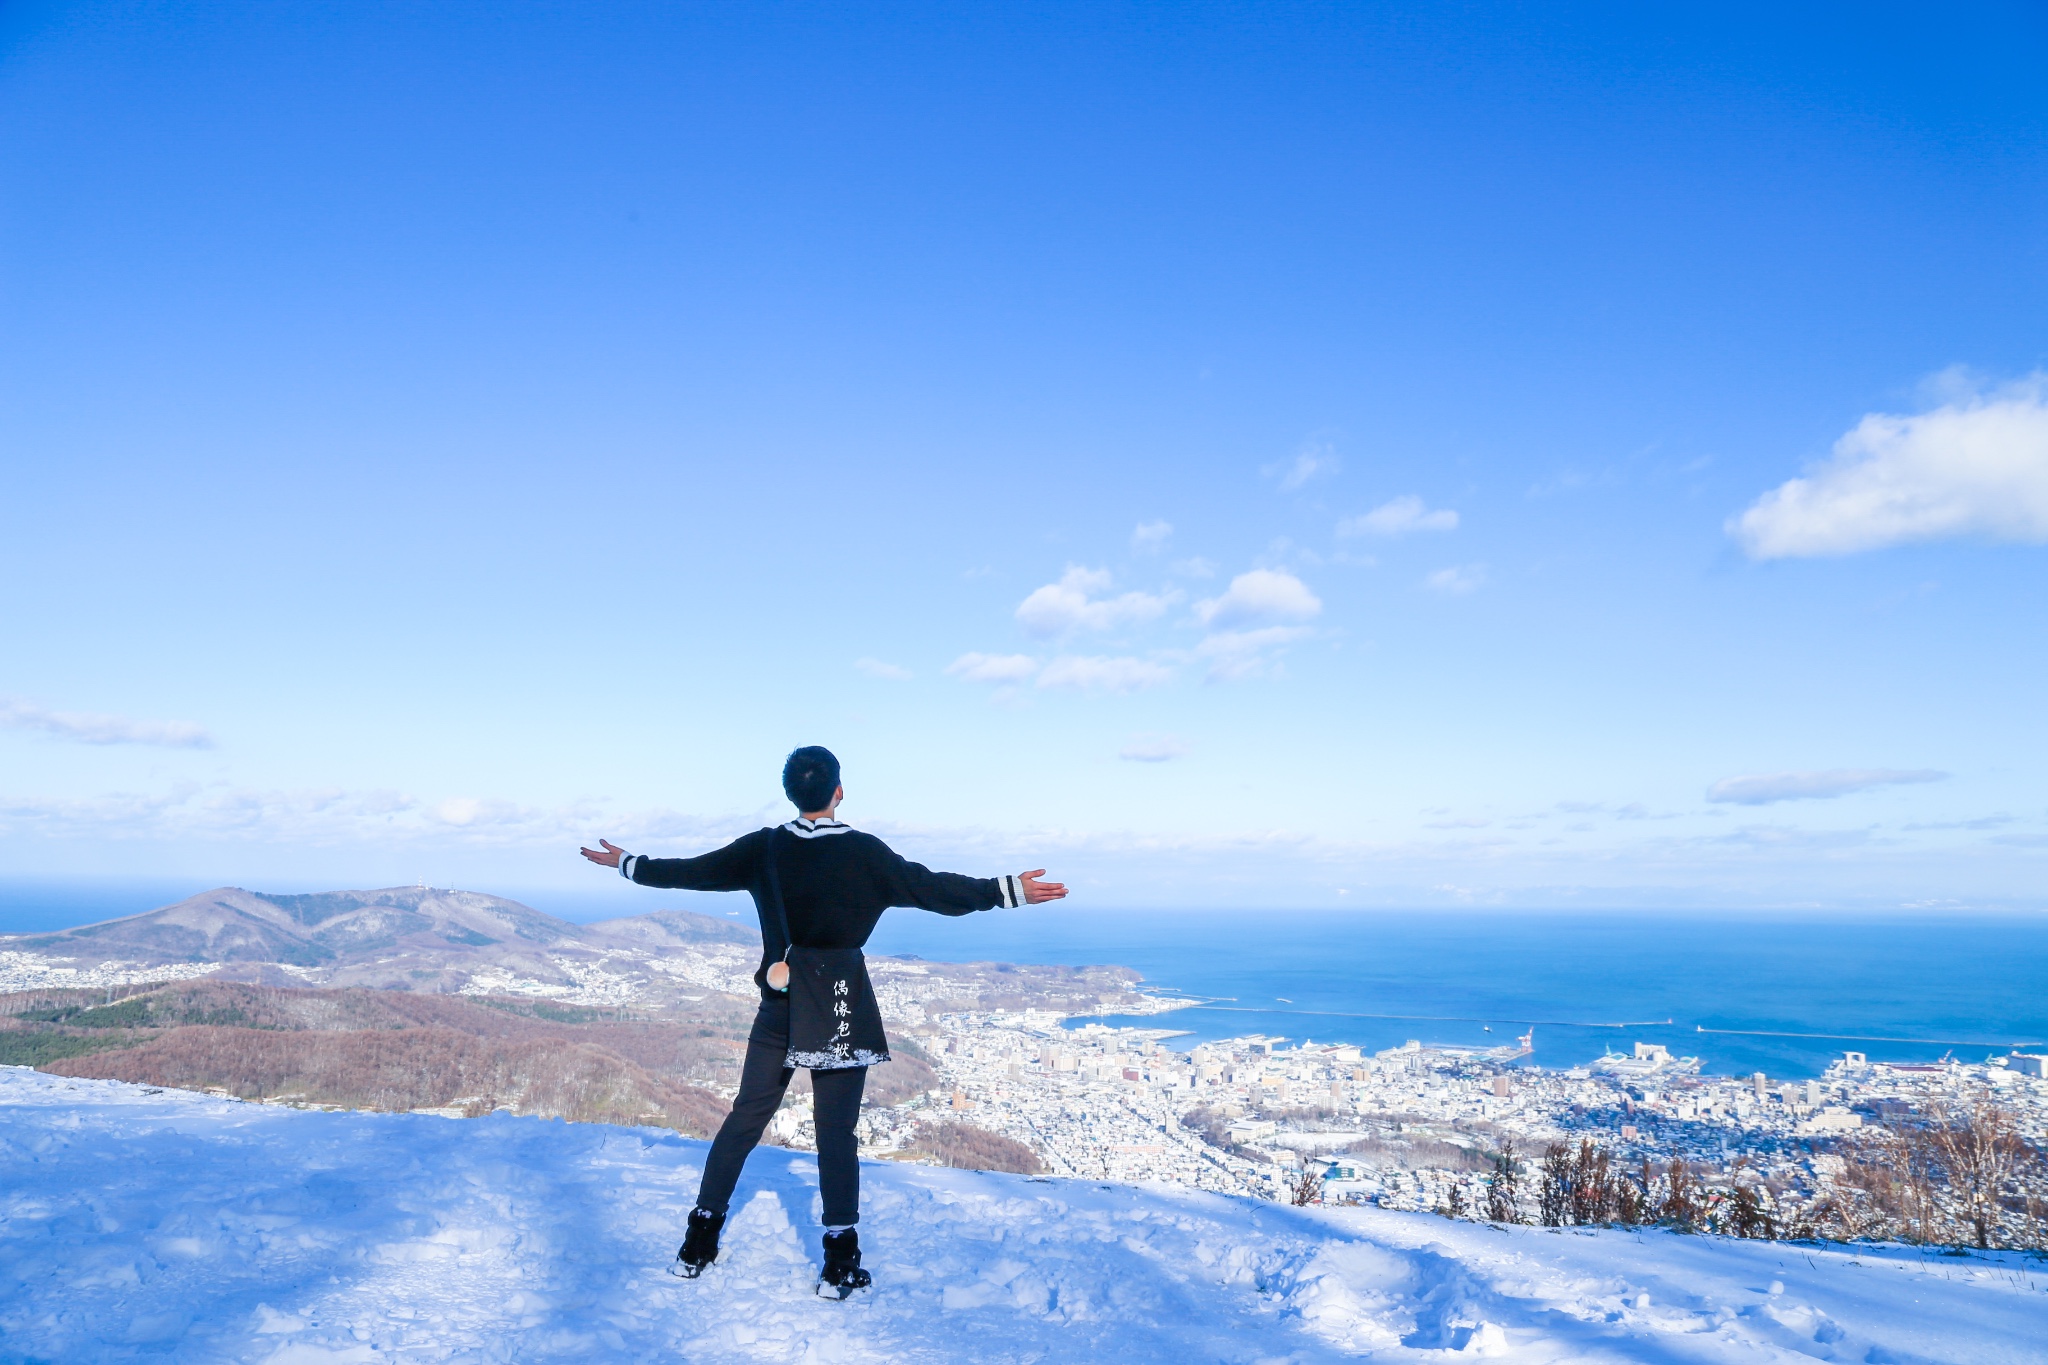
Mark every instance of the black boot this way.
pixel 700 1243
pixel 842 1273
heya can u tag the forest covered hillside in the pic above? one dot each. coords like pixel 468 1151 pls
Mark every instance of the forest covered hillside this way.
pixel 391 1050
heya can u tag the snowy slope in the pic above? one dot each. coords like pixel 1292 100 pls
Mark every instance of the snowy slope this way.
pixel 138 1226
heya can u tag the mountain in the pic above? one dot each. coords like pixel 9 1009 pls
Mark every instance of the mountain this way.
pixel 147 1226
pixel 465 942
pixel 398 938
pixel 229 924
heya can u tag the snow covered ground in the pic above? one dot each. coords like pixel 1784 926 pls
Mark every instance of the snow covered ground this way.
pixel 170 1226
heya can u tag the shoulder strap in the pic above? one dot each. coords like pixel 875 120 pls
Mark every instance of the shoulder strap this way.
pixel 775 887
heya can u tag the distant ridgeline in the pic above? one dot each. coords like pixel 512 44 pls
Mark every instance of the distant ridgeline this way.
pixel 404 938
pixel 418 998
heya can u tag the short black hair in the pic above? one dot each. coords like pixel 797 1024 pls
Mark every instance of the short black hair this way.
pixel 809 776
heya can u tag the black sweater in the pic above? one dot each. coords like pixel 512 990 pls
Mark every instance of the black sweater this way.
pixel 836 882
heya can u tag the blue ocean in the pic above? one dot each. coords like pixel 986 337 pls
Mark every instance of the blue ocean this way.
pixel 1780 993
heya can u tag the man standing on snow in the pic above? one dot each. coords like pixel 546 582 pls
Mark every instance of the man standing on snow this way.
pixel 819 887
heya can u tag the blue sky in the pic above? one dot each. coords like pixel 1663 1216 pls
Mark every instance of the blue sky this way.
pixel 1234 455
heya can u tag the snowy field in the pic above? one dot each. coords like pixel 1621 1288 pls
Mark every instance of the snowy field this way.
pixel 169 1226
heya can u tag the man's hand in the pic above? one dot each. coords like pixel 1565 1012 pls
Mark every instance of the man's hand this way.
pixel 1036 892
pixel 609 858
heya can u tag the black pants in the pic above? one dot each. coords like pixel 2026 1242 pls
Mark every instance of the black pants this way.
pixel 836 1100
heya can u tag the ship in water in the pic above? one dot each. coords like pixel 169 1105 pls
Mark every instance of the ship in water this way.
pixel 1506 1052
pixel 1650 1059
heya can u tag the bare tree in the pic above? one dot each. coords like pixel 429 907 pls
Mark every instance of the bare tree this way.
pixel 1896 1176
pixel 1307 1187
pixel 967 1147
pixel 1747 1215
pixel 1978 1151
pixel 1684 1203
pixel 1593 1192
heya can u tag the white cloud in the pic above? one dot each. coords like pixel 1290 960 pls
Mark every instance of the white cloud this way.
pixel 1982 822
pixel 875 668
pixel 1315 460
pixel 1281 549
pixel 367 821
pixel 1071 604
pixel 1150 537
pixel 1257 598
pixel 462 811
pixel 993 668
pixel 1458 579
pixel 1976 466
pixel 1154 749
pixel 189 810
pixel 1234 655
pixel 89 728
pixel 1094 673
pixel 1764 788
pixel 1399 518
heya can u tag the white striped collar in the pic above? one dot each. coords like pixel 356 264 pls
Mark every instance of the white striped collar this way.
pixel 817 829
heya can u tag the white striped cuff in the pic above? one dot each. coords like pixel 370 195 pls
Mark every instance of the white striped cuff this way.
pixel 1013 891
pixel 626 861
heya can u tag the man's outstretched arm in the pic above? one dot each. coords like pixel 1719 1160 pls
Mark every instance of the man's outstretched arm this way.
pixel 950 893
pixel 725 869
